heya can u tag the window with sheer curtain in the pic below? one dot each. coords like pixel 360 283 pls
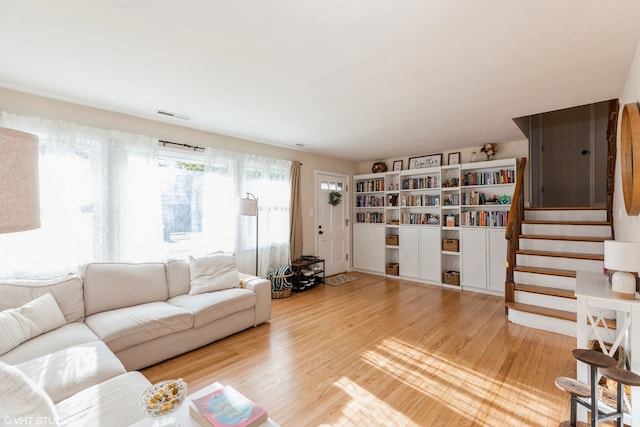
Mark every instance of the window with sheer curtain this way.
pixel 112 196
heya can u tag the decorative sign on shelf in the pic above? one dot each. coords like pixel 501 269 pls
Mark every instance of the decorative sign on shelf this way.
pixel 425 161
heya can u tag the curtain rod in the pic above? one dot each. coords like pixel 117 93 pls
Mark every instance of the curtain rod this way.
pixel 193 147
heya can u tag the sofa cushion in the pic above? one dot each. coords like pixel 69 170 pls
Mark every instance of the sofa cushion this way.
pixel 126 327
pixel 64 337
pixel 211 306
pixel 213 273
pixel 178 277
pixel 22 400
pixel 66 290
pixel 28 321
pixel 114 402
pixel 66 372
pixel 109 286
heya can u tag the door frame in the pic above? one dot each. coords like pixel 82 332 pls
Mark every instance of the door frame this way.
pixel 347 207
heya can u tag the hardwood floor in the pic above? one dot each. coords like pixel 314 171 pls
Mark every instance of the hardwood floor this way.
pixel 378 352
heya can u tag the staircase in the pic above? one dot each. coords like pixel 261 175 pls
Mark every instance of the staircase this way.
pixel 553 245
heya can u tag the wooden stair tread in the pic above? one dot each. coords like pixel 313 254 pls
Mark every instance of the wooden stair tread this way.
pixel 543 221
pixel 568 238
pixel 551 312
pixel 545 290
pixel 547 271
pixel 543 311
pixel 574 255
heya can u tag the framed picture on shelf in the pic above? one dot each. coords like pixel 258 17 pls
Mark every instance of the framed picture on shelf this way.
pixel 425 161
pixel 454 158
pixel 397 165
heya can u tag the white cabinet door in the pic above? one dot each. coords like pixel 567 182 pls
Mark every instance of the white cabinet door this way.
pixel 409 251
pixel 497 259
pixel 377 250
pixel 474 258
pixel 430 254
pixel 361 246
pixel 369 247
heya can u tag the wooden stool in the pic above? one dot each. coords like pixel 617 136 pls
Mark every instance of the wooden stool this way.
pixel 622 377
pixel 576 389
pixel 595 360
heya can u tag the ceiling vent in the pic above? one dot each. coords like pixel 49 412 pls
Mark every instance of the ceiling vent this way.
pixel 174 115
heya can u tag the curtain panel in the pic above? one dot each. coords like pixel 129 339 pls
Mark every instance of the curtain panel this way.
pixel 232 176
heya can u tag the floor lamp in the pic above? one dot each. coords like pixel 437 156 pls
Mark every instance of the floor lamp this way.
pixel 249 207
pixel 19 186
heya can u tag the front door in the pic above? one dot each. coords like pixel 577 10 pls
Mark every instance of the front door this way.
pixel 332 222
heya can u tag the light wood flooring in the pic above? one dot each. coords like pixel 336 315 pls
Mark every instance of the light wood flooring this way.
pixel 380 352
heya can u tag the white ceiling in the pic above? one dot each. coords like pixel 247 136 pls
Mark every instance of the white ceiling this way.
pixel 358 79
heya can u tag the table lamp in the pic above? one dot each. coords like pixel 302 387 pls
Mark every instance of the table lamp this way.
pixel 624 257
pixel 19 194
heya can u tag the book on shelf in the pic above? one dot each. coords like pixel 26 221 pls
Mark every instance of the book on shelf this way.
pixel 227 407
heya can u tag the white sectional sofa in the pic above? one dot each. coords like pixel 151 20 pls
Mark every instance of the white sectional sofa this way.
pixel 115 318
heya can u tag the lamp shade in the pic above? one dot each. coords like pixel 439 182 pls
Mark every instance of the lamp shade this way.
pixel 248 207
pixel 624 257
pixel 19 194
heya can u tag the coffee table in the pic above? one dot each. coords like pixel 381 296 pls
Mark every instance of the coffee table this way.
pixel 183 413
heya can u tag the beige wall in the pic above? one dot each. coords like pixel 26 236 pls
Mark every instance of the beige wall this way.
pixel 626 227
pixel 30 105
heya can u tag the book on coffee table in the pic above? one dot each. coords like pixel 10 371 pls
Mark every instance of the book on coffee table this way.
pixel 227 407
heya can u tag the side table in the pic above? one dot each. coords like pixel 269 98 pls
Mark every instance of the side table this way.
pixel 595 304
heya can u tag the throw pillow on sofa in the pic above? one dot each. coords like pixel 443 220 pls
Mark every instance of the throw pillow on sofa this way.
pixel 213 272
pixel 67 290
pixel 28 321
pixel 22 401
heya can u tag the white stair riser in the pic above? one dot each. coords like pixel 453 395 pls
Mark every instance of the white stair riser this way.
pixel 551 324
pixel 548 301
pixel 567 230
pixel 596 248
pixel 566 215
pixel 548 280
pixel 544 323
pixel 559 263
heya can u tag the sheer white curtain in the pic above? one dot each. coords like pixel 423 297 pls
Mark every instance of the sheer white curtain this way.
pixel 102 200
pixel 232 175
pixel 134 199
pixel 96 196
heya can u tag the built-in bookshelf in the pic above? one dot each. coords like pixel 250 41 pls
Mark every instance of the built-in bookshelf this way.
pixel 486 190
pixel 450 230
pixel 392 237
pixel 369 199
pixel 370 205
pixel 420 197
pixel 422 216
